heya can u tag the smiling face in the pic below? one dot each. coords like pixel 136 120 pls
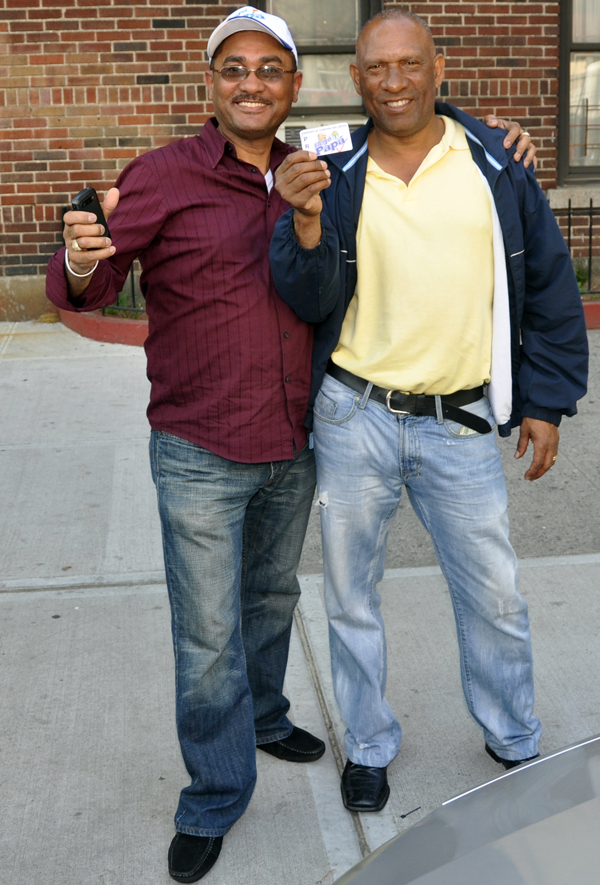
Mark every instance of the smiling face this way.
pixel 252 109
pixel 397 74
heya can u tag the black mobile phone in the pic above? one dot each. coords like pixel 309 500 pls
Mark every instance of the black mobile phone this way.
pixel 87 201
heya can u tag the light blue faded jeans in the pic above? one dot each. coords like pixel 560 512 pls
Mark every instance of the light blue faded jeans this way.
pixel 232 539
pixel 366 455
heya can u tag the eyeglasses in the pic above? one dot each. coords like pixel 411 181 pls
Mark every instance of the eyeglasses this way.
pixel 237 73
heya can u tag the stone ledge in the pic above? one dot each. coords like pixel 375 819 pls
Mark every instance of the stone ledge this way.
pixel 23 298
pixel 579 195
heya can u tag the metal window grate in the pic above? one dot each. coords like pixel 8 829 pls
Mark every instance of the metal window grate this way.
pixel 585 132
pixel 581 230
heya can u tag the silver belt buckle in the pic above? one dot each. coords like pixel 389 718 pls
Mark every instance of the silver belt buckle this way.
pixel 388 404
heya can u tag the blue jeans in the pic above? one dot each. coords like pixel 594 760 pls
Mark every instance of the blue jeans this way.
pixel 366 455
pixel 232 539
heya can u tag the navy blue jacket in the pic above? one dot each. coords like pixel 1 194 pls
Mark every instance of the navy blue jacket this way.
pixel 549 352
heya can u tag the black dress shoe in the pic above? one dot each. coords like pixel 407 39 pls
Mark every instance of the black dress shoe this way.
pixel 299 746
pixel 191 857
pixel 364 788
pixel 508 763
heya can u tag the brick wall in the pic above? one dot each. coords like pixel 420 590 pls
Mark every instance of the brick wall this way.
pixel 90 85
pixel 93 83
pixel 502 58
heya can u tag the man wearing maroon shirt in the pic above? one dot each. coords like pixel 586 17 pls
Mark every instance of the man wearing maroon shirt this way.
pixel 229 365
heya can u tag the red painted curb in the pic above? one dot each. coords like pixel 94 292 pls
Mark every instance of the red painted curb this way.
pixel 591 310
pixel 100 328
pixel 119 331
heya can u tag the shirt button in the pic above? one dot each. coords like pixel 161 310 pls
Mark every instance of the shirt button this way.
pixel 254 170
pixel 286 334
pixel 287 379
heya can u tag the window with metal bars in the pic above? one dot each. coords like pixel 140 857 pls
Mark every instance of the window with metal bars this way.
pixel 579 128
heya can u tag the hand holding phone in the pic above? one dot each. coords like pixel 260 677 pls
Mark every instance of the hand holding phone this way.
pixel 87 201
pixel 87 241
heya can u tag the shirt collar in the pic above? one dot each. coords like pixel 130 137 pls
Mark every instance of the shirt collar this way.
pixel 217 146
pixel 453 138
pixel 454 135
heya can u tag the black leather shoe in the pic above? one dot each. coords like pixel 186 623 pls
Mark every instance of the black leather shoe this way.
pixel 508 763
pixel 364 788
pixel 191 857
pixel 299 746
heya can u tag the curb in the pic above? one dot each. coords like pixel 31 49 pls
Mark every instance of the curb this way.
pixel 591 310
pixel 113 330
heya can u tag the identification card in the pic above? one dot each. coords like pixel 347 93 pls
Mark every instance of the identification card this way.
pixel 327 139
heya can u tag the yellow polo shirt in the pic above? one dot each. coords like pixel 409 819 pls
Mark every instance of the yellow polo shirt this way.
pixel 421 316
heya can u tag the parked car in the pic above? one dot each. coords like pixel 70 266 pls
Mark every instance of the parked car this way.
pixel 537 824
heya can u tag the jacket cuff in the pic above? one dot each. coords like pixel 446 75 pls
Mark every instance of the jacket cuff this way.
pixel 541 414
pixel 290 235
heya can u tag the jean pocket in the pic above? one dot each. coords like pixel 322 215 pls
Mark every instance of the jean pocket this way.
pixel 170 439
pixel 177 457
pixel 482 409
pixel 334 408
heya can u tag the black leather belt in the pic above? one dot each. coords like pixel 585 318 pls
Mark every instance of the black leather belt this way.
pixel 418 404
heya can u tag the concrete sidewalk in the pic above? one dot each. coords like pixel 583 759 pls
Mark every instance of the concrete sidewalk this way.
pixel 89 761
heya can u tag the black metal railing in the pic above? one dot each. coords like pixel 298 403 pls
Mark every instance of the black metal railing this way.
pixel 130 301
pixel 583 239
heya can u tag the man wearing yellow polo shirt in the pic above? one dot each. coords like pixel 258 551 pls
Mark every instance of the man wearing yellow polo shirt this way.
pixel 402 342
pixel 445 304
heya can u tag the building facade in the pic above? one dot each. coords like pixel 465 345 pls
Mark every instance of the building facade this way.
pixel 88 86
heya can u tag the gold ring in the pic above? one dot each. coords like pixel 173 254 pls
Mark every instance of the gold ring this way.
pixel 525 132
pixel 76 246
pixel 555 457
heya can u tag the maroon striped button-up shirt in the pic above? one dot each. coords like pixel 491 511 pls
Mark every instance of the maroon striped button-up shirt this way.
pixel 228 361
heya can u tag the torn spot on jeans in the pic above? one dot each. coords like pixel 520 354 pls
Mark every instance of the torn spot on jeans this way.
pixel 509 607
pixel 323 500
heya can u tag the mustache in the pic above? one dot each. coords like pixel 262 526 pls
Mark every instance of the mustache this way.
pixel 249 97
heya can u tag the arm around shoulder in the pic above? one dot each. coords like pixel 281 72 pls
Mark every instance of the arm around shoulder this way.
pixel 307 279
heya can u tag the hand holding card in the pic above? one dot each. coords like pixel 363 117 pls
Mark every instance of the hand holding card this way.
pixel 327 139
pixel 300 179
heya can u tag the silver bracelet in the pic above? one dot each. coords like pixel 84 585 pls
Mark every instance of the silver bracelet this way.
pixel 80 275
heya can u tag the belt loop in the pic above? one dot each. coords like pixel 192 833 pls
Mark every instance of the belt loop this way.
pixel 366 395
pixel 438 409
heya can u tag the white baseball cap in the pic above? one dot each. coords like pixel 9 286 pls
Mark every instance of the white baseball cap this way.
pixel 250 19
